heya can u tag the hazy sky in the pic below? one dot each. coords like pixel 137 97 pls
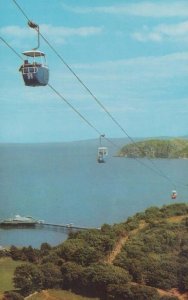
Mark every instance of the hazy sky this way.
pixel 132 55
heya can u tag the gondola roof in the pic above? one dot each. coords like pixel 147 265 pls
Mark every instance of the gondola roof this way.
pixel 33 53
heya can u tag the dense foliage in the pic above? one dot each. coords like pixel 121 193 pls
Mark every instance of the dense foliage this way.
pixel 156 148
pixel 155 255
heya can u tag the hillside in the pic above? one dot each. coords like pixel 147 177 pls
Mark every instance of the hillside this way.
pixel 145 257
pixel 156 148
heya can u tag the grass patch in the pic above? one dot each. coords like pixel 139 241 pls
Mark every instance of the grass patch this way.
pixel 176 219
pixel 7 268
pixel 58 295
pixel 65 295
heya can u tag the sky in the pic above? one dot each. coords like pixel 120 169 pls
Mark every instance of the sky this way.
pixel 132 55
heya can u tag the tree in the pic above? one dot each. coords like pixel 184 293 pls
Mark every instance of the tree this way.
pixel 51 276
pixel 30 254
pixel 15 253
pixel 27 278
pixel 183 278
pixel 53 258
pixel 97 277
pixel 144 293
pixel 45 248
pixel 72 274
pixel 79 251
pixel 67 250
pixel 119 292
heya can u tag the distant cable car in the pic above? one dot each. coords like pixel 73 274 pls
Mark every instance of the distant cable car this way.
pixel 174 194
pixel 35 72
pixel 102 151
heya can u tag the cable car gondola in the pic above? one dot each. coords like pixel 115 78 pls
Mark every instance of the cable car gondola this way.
pixel 35 72
pixel 174 194
pixel 102 152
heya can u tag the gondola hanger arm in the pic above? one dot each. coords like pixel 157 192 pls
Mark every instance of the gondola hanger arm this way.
pixel 36 27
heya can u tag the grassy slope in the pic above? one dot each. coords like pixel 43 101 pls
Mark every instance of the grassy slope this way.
pixel 132 234
pixel 58 295
pixel 7 267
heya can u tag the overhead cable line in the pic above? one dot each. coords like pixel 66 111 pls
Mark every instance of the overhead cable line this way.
pixel 64 99
pixel 21 10
pixel 105 109
pixel 82 117
pixel 89 123
pixel 96 99
pixel 11 48
pixel 75 110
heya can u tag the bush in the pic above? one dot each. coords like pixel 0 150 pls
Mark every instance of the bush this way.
pixel 169 298
pixel 127 292
pixel 12 296
pixel 144 293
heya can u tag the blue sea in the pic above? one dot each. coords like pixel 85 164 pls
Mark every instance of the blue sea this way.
pixel 63 183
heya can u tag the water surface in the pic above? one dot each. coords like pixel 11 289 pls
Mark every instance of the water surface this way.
pixel 63 183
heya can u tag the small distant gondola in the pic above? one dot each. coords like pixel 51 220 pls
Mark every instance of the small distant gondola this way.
pixel 174 195
pixel 35 73
pixel 102 151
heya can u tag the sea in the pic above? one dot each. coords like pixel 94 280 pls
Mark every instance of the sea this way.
pixel 62 183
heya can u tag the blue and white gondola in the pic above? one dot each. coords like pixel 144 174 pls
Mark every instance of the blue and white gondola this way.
pixel 36 72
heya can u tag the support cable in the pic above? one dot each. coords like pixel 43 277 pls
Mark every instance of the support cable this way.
pixel 96 99
pixel 82 117
pixel 8 45
pixel 64 99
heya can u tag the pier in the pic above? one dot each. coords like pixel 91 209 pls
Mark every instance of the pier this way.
pixel 66 226
pixel 29 222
